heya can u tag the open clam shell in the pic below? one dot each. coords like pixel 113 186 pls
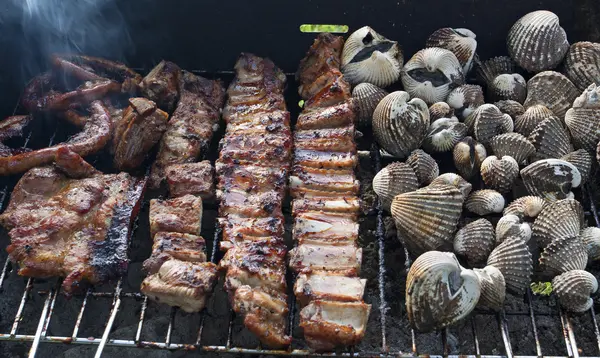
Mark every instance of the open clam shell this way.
pixel 485 202
pixel 367 96
pixel 508 86
pixel 526 207
pixel 551 179
pixel 562 255
pixel 493 288
pixel 440 110
pixel 431 74
pixel 439 292
pixel 582 64
pixel 583 120
pixel 512 144
pixel 550 140
pixel 396 178
pixel 510 107
pixel 400 124
pixel 443 135
pixel 574 289
pixel 525 123
pixel 454 180
pixel 591 239
pixel 499 173
pixel 488 122
pixel 513 259
pixel 468 154
pixel 465 99
pixel 425 167
pixel 582 160
pixel 490 69
pixel 512 225
pixel 537 42
pixel 461 42
pixel 475 241
pixel 562 218
pixel 369 57
pixel 553 90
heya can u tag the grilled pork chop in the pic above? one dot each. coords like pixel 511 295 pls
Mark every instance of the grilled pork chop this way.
pixel 182 215
pixel 191 178
pixel 161 85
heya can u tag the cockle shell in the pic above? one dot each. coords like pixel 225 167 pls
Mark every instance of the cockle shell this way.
pixel 511 225
pixel 461 42
pixel 484 202
pixel 499 174
pixel 574 288
pixel 440 110
pixel 468 154
pixel 508 86
pixel 550 140
pixel 526 206
pixel 431 74
pixel 488 122
pixel 426 219
pixel 513 259
pixel 534 115
pixel 562 218
pixel 582 64
pixel 425 167
pixel 493 288
pixel 465 99
pixel 443 135
pixel 583 120
pixel 495 66
pixel 439 292
pixel 367 96
pixel 551 179
pixel 510 107
pixel 369 57
pixel 396 178
pixel 591 238
pixel 454 180
pixel 400 124
pixel 553 90
pixel 475 241
pixel 512 144
pixel 562 255
pixel 582 160
pixel 537 42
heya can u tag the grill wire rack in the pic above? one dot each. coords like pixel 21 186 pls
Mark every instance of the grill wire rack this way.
pixel 116 300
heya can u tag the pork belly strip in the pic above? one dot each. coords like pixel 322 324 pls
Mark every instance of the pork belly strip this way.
pixel 174 245
pixel 329 287
pixel 250 178
pixel 326 160
pixel 161 85
pixel 183 215
pixel 339 115
pixel 336 182
pixel 191 178
pixel 321 58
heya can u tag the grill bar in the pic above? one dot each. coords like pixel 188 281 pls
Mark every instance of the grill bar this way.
pixel 538 346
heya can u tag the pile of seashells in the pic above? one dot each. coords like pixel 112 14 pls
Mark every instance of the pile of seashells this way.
pixel 537 135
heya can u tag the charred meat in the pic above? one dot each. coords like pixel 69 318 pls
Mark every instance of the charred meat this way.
pixel 191 178
pixel 161 85
pixel 182 215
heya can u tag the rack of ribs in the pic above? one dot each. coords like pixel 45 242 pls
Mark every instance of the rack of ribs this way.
pixel 252 170
pixel 325 204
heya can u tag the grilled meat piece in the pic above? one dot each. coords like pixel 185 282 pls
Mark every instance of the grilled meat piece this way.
pixel 14 126
pixel 73 165
pixel 322 57
pixel 338 115
pixel 314 258
pixel 335 92
pixel 182 284
pixel 273 150
pixel 329 287
pixel 349 205
pixel 173 245
pixel 276 122
pixel 325 228
pixel 325 160
pixel 235 228
pixel 326 182
pixel 191 178
pixel 161 85
pixel 339 139
pixel 183 215
pixel 243 204
pixel 250 178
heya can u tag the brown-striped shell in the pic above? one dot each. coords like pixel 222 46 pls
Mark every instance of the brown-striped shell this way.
pixel 367 96
pixel 369 57
pixel 512 144
pixel 426 219
pixel 490 69
pixel 582 64
pixel 394 179
pixel 533 115
pixel 461 42
pixel 431 74
pixel 400 123
pixel 526 206
pixel 454 180
pixel 493 288
pixel 562 255
pixel 562 218
pixel 488 122
pixel 513 259
pixel 551 179
pixel 582 160
pixel 510 107
pixel 475 241
pixel 468 154
pixel 425 167
pixel 573 290
pixel 508 86
pixel 537 42
pixel 499 173
pixel 553 90
pixel 439 292
pixel 512 225
pixel 465 99
pixel 443 134
pixel 583 120
pixel 591 238
pixel 440 110
pixel 550 140
pixel 484 202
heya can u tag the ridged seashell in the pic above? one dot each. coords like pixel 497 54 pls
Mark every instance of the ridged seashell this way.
pixel 425 167
pixel 493 288
pixel 534 115
pixel 396 178
pixel 465 99
pixel 508 86
pixel 591 238
pixel 526 206
pixel 550 140
pixel 582 160
pixel 490 69
pixel 400 124
pixel 574 289
pixel 582 64
pixel 439 292
pixel 511 225
pixel 510 107
pixel 551 179
pixel 513 259
pixel 431 74
pixel 562 218
pixel 461 42
pixel 440 110
pixel 499 174
pixel 488 122
pixel 553 90
pixel 475 241
pixel 369 57
pixel 454 180
pixel 512 144
pixel 468 154
pixel 537 42
pixel 443 135
pixel 367 97
pixel 484 202
pixel 583 120
pixel 426 219
pixel 562 255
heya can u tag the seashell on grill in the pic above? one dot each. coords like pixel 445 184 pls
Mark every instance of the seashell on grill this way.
pixel 475 241
pixel 591 239
pixel 562 255
pixel 583 120
pixel 511 225
pixel 485 202
pixel 465 99
pixel 508 86
pixel 367 96
pixel 425 167
pixel 573 290
pixel 510 107
pixel 454 180
pixel 513 259
pixel 468 154
pixel 582 160
pixel 431 74
pixel 488 122
pixel 443 135
pixel 396 178
pixel 369 57
pixel 551 179
pixel 439 292
pixel 426 219
pixel 488 70
pixel 534 115
pixel 582 64
pixel 537 42
pixel 526 206
pixel 440 110
pixel 512 144
pixel 553 90
pixel 400 124
pixel 550 140
pixel 461 42
pixel 499 174
pixel 493 288
pixel 562 218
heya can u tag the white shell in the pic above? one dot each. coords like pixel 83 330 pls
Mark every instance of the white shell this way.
pixel 499 174
pixel 475 241
pixel 563 255
pixel 394 179
pixel 454 180
pixel 488 122
pixel 526 206
pixel 484 202
pixel 508 86
pixel 493 288
pixel 550 140
pixel 511 225
pixel 465 99
pixel 513 259
pixel 440 110
pixel 425 167
pixel 443 134
pixel 583 120
pixel 574 288
pixel 591 238
pixel 367 96
pixel 551 179
pixel 525 123
pixel 553 90
pixel 461 42
pixel 468 154
pixel 582 160
pixel 512 144
pixel 510 107
pixel 562 218
pixel 582 64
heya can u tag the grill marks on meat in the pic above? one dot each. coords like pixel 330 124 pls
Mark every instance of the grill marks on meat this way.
pixel 191 178
pixel 326 204
pixel 161 85
pixel 252 171
pixel 182 215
